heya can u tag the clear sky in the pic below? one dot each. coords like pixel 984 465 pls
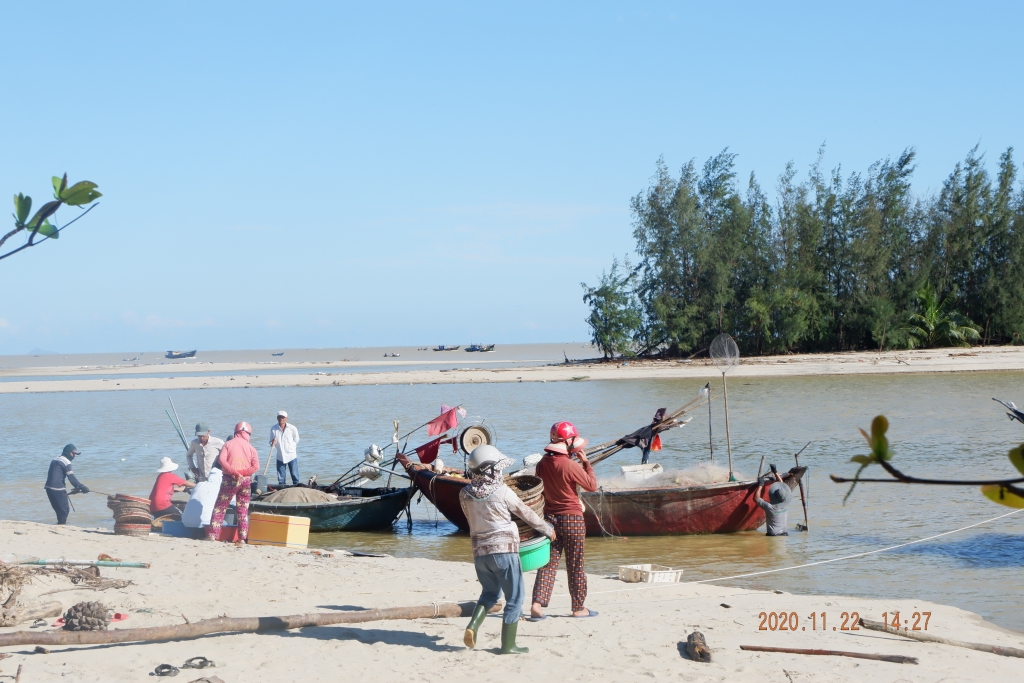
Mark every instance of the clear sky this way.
pixel 327 174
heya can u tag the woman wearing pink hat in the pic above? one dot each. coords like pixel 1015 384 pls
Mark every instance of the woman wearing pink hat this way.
pixel 564 510
pixel 238 460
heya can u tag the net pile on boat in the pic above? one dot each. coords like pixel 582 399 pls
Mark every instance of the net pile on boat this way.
pixel 703 474
pixel 531 491
pixel 131 515
pixel 299 495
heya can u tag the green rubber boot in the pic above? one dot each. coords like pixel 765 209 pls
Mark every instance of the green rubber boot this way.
pixel 508 640
pixel 474 625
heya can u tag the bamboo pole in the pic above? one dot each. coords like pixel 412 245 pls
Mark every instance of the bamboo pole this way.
pixel 728 438
pixel 895 659
pixel 237 625
pixel 87 563
pixel 926 638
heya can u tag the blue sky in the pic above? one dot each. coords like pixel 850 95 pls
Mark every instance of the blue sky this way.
pixel 329 174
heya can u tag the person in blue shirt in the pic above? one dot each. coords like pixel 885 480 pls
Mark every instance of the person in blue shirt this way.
pixel 60 469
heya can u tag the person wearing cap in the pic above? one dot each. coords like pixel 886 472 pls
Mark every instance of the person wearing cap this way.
pixel 167 483
pixel 776 508
pixel 238 461
pixel 284 439
pixel 564 510
pixel 60 469
pixel 489 505
pixel 203 452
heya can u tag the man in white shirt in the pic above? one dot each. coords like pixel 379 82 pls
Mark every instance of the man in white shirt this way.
pixel 203 452
pixel 284 438
pixel 199 508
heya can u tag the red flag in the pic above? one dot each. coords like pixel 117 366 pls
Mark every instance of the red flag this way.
pixel 442 423
pixel 656 443
pixel 428 451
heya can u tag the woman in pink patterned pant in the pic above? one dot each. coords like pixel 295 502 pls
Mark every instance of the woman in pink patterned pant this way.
pixel 238 460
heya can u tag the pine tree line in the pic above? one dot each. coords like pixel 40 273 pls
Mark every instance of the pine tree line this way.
pixel 833 263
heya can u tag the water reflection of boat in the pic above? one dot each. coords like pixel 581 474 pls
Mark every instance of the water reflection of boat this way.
pixel 663 511
pixel 442 347
pixel 357 509
pixel 175 355
pixel 481 348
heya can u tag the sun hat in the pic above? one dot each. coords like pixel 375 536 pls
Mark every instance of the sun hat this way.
pixel 282 413
pixel 202 428
pixel 167 465
pixel 778 493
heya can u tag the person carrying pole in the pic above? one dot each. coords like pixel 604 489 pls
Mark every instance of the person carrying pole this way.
pixel 60 469
pixel 489 505
pixel 564 510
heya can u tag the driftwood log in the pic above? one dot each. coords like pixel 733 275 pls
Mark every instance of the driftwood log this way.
pixel 697 647
pixel 926 638
pixel 237 625
pixel 15 615
pixel 896 659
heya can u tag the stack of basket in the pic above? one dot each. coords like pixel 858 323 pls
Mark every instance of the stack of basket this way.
pixel 131 515
pixel 530 490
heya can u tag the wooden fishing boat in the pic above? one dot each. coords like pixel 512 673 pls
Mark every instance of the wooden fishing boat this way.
pixel 662 511
pixel 176 355
pixel 440 489
pixel 357 509
pixel 678 510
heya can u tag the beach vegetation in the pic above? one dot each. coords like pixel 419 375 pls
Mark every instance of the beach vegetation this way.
pixel 42 225
pixel 835 261
pixel 614 313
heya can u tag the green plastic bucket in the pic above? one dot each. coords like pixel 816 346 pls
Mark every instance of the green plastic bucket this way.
pixel 535 553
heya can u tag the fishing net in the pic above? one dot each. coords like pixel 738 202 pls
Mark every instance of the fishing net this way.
pixel 703 474
pixel 724 352
pixel 298 495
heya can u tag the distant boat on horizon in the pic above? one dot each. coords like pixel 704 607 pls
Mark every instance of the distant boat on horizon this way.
pixel 176 355
pixel 442 347
pixel 480 348
pixel 278 354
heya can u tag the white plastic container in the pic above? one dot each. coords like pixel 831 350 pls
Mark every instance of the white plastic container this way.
pixel 649 573
pixel 634 474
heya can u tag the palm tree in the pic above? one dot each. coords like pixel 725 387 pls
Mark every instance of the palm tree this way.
pixel 936 325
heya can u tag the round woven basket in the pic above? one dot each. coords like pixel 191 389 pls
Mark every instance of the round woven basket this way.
pixel 133 519
pixel 132 529
pixel 158 523
pixel 530 490
pixel 125 497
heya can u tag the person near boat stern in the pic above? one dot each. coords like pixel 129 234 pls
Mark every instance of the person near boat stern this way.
pixel 776 509
pixel 60 469
pixel 167 482
pixel 284 438
pixel 238 461
pixel 489 505
pixel 564 509
pixel 203 452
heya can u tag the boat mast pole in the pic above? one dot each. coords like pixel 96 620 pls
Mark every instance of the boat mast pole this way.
pixel 728 440
pixel 711 443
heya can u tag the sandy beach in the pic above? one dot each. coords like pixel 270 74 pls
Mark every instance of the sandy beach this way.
pixel 334 373
pixel 637 633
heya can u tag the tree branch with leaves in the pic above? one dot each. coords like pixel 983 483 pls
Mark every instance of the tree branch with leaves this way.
pixel 1002 491
pixel 82 194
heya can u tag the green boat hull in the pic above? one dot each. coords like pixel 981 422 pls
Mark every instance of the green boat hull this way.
pixel 369 510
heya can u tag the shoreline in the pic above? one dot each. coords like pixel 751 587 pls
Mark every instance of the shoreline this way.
pixel 989 359
pixel 638 632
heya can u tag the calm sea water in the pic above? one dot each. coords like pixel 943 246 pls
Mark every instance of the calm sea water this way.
pixel 942 426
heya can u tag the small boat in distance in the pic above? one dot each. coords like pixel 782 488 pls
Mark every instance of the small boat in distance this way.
pixel 175 355
pixel 442 347
pixel 392 355
pixel 481 348
pixel 280 353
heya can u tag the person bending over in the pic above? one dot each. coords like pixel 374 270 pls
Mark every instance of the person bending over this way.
pixel 776 509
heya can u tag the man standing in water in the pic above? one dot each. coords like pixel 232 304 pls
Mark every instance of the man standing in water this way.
pixel 776 511
pixel 203 452
pixel 286 439
pixel 564 510
pixel 60 469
